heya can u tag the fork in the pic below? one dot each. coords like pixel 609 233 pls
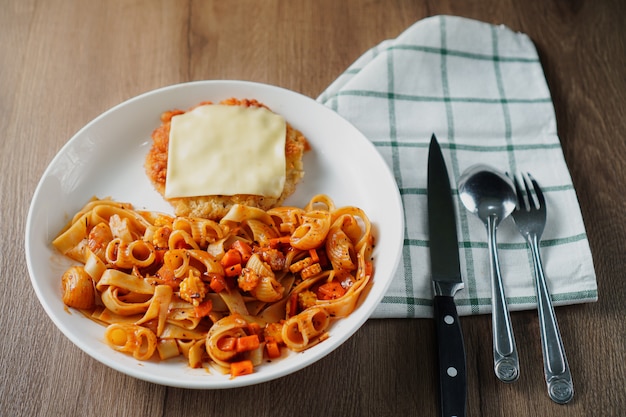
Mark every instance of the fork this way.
pixel 530 218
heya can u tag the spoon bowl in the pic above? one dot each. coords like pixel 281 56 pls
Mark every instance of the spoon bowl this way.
pixel 486 192
pixel 491 196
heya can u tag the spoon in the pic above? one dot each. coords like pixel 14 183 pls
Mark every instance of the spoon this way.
pixel 491 196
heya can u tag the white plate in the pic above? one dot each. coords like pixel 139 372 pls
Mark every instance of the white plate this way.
pixel 105 159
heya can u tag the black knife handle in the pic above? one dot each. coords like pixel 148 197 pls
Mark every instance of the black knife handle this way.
pixel 452 372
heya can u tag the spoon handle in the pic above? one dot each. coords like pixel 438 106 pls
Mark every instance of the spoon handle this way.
pixel 555 366
pixel 505 358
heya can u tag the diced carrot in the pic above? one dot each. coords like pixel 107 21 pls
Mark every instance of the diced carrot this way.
pixel 255 328
pixel 227 344
pixel 330 291
pixel 272 349
pixel 158 255
pixel 314 256
pixel 292 305
pixel 274 242
pixel 246 343
pixel 241 368
pixel 233 271
pixel 166 273
pixel 218 283
pixel 204 308
pixel 243 248
pixel 230 258
pixel 167 277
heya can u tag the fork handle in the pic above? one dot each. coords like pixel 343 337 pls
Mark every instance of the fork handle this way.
pixel 556 368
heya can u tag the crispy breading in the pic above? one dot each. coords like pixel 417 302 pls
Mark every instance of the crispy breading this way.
pixel 216 206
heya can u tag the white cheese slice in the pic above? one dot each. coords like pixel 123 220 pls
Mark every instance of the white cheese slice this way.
pixel 226 150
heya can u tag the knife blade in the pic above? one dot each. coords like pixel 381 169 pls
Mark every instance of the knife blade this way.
pixel 446 277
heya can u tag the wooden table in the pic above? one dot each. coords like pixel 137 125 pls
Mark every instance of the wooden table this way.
pixel 64 62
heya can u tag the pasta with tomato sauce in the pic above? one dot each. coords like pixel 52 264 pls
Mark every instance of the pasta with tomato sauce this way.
pixel 229 294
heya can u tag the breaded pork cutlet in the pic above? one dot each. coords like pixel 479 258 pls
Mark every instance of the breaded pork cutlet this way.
pixel 216 206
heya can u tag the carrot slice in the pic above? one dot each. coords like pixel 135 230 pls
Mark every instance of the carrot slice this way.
pixel 233 271
pixel 204 308
pixel 274 242
pixel 218 283
pixel 244 367
pixel 330 291
pixel 272 349
pixel 254 328
pixel 246 343
pixel 243 248
pixel 167 276
pixel 292 305
pixel 314 256
pixel 231 257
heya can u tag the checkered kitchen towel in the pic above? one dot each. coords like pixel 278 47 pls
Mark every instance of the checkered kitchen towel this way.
pixel 480 88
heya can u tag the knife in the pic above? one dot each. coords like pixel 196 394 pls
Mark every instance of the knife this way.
pixel 446 277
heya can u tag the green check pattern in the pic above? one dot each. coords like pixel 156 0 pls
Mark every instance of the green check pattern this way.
pixel 480 88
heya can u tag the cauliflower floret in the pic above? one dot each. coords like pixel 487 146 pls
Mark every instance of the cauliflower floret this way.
pixel 274 331
pixel 193 289
pixel 248 280
pixel 161 236
pixel 306 299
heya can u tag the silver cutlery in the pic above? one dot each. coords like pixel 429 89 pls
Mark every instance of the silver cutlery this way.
pixel 530 218
pixel 490 195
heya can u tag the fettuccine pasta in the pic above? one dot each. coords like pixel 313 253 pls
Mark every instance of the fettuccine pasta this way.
pixel 230 293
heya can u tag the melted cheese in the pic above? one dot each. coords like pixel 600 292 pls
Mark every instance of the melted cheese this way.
pixel 226 150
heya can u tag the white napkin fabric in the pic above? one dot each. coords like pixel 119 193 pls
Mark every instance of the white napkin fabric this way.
pixel 480 89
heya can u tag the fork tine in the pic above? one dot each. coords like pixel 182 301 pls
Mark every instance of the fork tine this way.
pixel 521 203
pixel 540 197
pixel 531 200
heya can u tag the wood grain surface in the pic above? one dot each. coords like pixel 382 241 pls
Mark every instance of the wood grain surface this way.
pixel 64 62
